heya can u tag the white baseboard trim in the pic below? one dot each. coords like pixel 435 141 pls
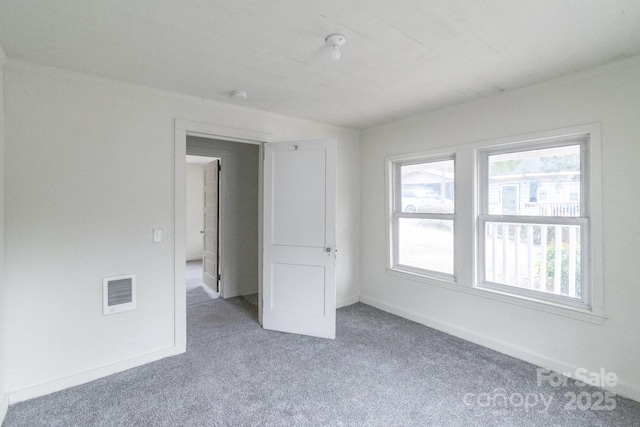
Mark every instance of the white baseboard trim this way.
pixel 347 301
pixel 4 405
pixel 621 388
pixel 247 291
pixel 242 293
pixel 85 377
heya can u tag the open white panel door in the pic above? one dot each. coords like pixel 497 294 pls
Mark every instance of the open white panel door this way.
pixel 210 232
pixel 299 284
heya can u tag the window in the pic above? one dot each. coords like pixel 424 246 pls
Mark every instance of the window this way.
pixel 523 226
pixel 535 248
pixel 424 216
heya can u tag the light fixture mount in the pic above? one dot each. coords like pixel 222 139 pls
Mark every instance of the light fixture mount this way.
pixel 239 94
pixel 335 41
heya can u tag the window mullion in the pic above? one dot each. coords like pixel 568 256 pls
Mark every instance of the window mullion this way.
pixel 550 220
pixel 424 215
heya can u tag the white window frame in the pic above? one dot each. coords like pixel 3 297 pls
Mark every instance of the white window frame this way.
pixel 396 213
pixel 467 218
pixel 582 221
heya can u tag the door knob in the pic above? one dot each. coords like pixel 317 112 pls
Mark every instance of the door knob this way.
pixel 328 249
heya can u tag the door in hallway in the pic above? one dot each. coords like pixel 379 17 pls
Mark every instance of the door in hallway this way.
pixel 210 231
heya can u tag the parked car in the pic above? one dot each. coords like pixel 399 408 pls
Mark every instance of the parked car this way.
pixel 425 201
pixel 412 203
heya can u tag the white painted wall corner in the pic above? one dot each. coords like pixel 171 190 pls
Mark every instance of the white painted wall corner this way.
pixel 347 301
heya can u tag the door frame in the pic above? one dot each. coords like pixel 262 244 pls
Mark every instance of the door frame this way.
pixel 184 128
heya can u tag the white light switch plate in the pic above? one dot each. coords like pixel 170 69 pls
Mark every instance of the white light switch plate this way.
pixel 158 235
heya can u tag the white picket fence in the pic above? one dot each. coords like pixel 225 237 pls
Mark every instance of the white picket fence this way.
pixel 531 256
pixel 550 209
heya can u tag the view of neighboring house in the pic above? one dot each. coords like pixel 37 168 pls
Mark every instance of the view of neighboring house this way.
pixel 538 256
pixel 539 182
pixel 541 256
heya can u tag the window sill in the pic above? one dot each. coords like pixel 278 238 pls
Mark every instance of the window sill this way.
pixel 534 304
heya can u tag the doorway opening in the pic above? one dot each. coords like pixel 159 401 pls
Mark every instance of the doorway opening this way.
pixel 222 220
pixel 282 180
pixel 202 228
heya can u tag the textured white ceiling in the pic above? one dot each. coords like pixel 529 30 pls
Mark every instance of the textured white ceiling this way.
pixel 401 57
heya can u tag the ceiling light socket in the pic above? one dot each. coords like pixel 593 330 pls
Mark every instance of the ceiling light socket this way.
pixel 335 41
pixel 239 94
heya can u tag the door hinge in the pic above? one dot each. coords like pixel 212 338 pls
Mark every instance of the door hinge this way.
pixel 219 277
pixel 219 167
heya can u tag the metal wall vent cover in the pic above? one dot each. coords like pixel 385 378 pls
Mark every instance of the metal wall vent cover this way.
pixel 118 294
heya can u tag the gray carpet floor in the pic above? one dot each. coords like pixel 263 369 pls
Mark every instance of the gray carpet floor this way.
pixel 197 291
pixel 381 370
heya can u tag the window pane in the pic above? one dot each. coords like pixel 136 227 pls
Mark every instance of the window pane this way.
pixel 540 257
pixel 543 182
pixel 427 187
pixel 426 244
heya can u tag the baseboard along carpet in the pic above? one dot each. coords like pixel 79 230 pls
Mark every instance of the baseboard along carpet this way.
pixel 381 370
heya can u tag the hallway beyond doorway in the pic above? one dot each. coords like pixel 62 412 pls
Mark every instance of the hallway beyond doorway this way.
pixel 197 291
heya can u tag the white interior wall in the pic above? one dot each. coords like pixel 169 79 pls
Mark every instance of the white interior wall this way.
pixel 610 96
pixel 195 208
pixel 4 401
pixel 84 209
pixel 238 212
